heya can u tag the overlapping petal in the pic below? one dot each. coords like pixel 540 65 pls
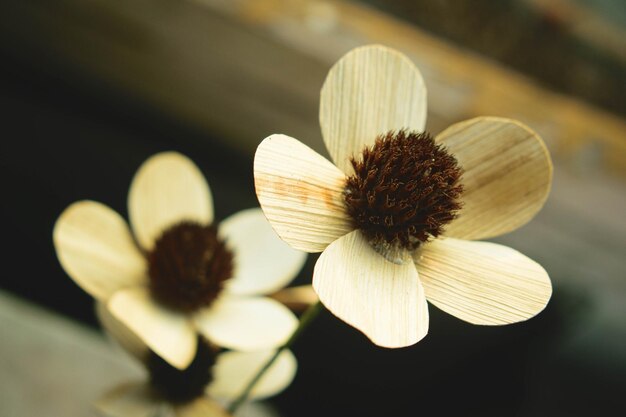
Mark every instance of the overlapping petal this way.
pixel 369 91
pixel 263 262
pixel 482 282
pixel 246 323
pixel 168 333
pixel 121 334
pixel 234 370
pixel 384 300
pixel 300 193
pixel 167 189
pixel 507 175
pixel 95 247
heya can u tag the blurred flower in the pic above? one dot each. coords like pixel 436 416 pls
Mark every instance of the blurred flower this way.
pixel 177 273
pixel 190 392
pixel 396 215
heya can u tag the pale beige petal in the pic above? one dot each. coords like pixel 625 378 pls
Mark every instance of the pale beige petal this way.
pixel 234 371
pixel 371 90
pixel 121 334
pixel 482 282
pixel 132 399
pixel 382 299
pixel 263 262
pixel 301 193
pixel 96 249
pixel 201 407
pixel 167 188
pixel 169 334
pixel 507 175
pixel 246 323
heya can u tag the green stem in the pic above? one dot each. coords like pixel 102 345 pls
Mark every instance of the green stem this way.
pixel 307 317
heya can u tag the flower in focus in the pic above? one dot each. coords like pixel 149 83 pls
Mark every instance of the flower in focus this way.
pixel 191 392
pixel 177 274
pixel 397 214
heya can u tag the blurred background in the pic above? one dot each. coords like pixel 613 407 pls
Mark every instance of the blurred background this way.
pixel 90 89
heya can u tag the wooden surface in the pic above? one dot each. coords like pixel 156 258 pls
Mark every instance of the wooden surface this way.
pixel 249 68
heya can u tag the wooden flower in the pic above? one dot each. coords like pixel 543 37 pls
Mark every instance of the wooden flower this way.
pixel 177 274
pixel 397 214
pixel 190 392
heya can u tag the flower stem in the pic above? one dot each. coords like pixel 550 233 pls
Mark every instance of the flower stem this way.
pixel 307 318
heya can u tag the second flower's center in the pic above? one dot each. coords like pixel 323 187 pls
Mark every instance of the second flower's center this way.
pixel 188 266
pixel 181 386
pixel 405 188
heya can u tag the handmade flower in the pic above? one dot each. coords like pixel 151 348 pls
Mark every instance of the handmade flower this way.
pixel 396 216
pixel 178 274
pixel 192 392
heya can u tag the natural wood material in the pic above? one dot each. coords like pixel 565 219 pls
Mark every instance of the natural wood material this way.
pixel 384 300
pixel 368 92
pixel 482 282
pixel 300 193
pixel 507 175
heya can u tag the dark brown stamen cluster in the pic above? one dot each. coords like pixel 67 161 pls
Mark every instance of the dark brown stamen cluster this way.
pixel 181 386
pixel 404 190
pixel 188 266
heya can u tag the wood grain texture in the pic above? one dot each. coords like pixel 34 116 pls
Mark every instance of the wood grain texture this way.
pixel 234 370
pixel 96 249
pixel 167 188
pixel 482 282
pixel 507 174
pixel 169 334
pixel 384 300
pixel 256 249
pixel 369 91
pixel 300 193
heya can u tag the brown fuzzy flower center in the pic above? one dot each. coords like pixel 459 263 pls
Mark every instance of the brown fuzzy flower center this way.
pixel 188 266
pixel 181 386
pixel 404 190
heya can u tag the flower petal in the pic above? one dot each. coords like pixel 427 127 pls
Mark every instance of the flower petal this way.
pixel 382 299
pixel 96 249
pixel 233 371
pixel 167 188
pixel 168 333
pixel 246 323
pixel 132 399
pixel 263 262
pixel 122 335
pixel 301 193
pixel 507 175
pixel 201 407
pixel 482 282
pixel 369 91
